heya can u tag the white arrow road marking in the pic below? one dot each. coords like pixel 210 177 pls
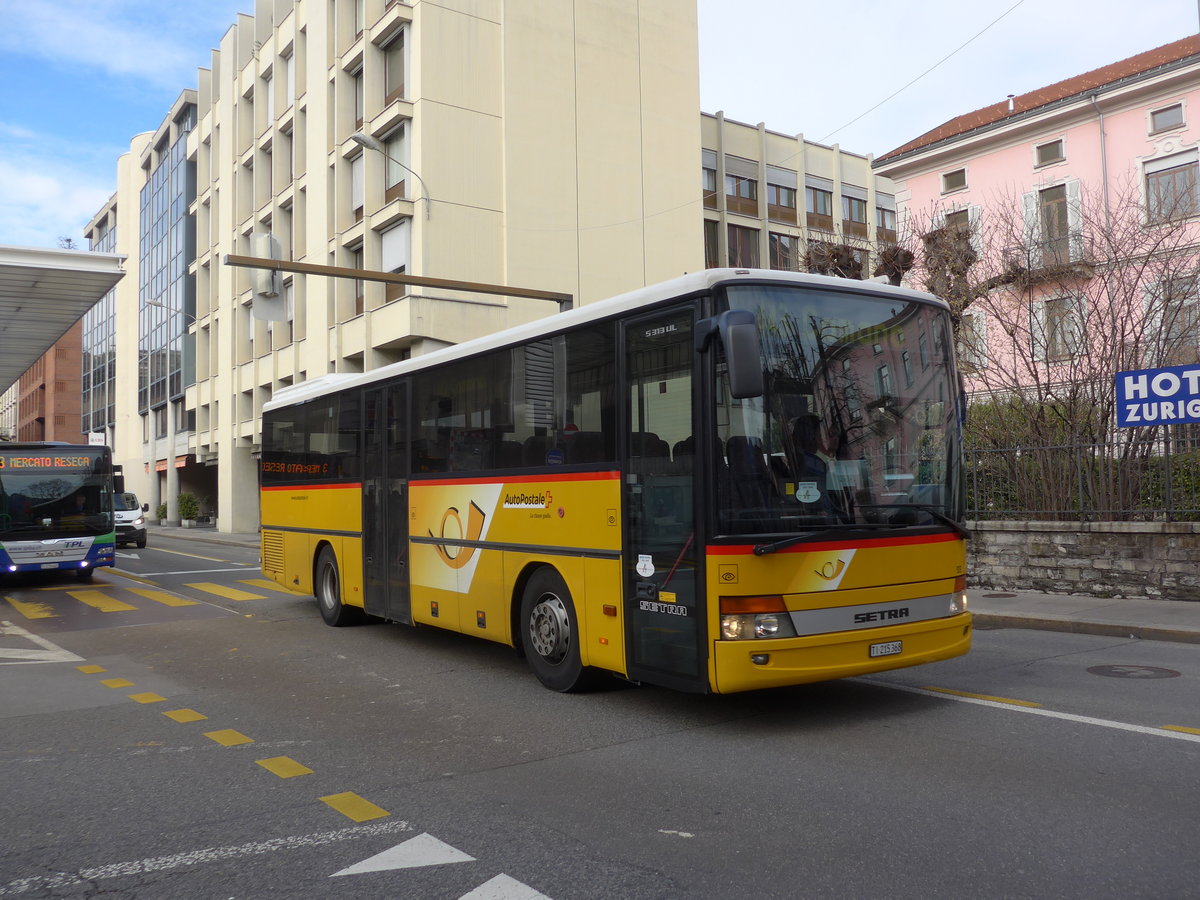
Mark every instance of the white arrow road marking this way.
pixel 50 653
pixel 423 850
pixel 504 888
pixel 196 857
pixel 128 555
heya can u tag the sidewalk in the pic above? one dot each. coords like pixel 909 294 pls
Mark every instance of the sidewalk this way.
pixel 1161 620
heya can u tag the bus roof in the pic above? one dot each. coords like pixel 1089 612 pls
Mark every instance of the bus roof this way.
pixel 685 285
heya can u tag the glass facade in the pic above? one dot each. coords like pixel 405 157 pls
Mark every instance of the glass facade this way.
pixel 167 292
pixel 98 370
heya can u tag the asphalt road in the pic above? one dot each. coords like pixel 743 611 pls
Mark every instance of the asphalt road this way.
pixel 234 746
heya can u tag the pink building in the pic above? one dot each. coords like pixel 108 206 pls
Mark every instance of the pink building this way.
pixel 1062 222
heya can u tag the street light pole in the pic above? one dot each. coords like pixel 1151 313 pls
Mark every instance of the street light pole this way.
pixel 373 143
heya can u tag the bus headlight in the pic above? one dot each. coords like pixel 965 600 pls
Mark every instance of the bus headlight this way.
pixel 740 623
pixel 958 599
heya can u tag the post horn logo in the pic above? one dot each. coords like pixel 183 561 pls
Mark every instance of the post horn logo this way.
pixel 461 555
pixel 830 570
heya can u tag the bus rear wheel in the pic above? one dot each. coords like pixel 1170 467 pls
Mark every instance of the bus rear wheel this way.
pixel 327 585
pixel 550 633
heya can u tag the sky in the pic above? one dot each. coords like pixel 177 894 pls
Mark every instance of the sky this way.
pixel 79 78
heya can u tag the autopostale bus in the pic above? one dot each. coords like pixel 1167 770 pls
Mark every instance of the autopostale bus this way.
pixel 56 508
pixel 736 479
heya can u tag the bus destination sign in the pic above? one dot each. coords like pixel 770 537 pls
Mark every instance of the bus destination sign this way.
pixel 1168 396
pixel 72 462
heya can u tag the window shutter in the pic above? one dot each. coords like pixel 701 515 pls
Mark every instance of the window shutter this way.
pixel 1076 325
pixel 1037 330
pixel 1075 219
pixel 395 251
pixel 1033 229
pixel 974 220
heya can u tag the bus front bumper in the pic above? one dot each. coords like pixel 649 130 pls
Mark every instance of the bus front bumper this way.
pixel 753 665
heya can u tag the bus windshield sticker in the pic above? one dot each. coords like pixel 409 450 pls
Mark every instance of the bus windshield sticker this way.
pixel 645 565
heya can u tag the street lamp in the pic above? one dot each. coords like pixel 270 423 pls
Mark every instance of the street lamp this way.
pixel 373 143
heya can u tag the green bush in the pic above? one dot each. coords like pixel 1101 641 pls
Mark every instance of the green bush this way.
pixel 160 511
pixel 189 506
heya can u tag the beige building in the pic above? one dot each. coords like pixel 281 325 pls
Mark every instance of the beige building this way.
pixel 776 201
pixel 545 146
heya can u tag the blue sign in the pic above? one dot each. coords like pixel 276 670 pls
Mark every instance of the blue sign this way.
pixel 1168 396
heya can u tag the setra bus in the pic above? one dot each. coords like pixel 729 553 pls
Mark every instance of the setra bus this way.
pixel 733 480
pixel 56 508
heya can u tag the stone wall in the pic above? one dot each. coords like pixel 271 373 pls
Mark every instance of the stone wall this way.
pixel 1157 560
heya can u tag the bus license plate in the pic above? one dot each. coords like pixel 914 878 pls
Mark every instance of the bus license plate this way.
pixel 49 565
pixel 891 648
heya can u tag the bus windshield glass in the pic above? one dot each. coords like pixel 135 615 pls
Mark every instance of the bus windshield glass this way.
pixel 858 427
pixel 45 493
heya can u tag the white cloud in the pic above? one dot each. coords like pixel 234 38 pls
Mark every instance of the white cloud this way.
pixel 43 199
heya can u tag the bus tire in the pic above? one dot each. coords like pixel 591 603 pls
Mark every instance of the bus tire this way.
pixel 550 633
pixel 327 586
pixel 85 574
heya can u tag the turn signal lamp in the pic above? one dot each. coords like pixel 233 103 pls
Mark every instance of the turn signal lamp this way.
pixel 958 598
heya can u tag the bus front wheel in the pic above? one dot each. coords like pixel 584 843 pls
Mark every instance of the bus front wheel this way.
pixel 328 588
pixel 550 633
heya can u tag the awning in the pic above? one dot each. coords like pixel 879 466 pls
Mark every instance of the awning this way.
pixel 42 294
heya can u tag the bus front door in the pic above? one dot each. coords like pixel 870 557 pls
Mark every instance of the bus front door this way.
pixel 385 504
pixel 664 611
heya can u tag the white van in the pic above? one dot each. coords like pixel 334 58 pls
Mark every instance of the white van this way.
pixel 130 519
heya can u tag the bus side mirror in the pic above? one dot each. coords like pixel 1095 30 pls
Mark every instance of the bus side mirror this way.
pixel 738 332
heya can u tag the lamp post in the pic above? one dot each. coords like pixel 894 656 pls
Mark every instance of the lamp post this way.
pixel 373 143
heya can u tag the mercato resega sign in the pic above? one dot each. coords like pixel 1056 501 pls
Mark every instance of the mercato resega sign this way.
pixel 1158 396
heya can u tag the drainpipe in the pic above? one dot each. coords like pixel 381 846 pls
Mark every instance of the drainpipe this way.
pixel 1103 162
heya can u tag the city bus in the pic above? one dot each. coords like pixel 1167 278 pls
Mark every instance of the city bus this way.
pixel 733 480
pixel 56 508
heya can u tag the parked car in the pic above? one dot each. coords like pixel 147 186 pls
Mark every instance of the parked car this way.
pixel 131 519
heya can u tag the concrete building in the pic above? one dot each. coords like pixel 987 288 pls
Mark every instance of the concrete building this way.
pixel 780 202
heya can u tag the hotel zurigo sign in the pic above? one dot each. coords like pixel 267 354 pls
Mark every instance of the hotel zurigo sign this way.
pixel 1169 396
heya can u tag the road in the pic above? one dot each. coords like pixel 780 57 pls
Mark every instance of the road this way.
pixel 229 744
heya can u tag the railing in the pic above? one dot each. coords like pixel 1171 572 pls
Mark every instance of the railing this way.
pixel 1149 481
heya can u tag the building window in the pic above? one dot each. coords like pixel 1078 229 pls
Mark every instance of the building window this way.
pixel 885 219
pixel 1051 152
pixel 1056 233
pixel 395 148
pixel 818 204
pixel 743 247
pixel 784 252
pixel 741 195
pixel 708 183
pixel 356 186
pixel 954 181
pixel 854 216
pixel 393 68
pixel 712 251
pixel 1166 118
pixel 1171 187
pixel 1178 331
pixel 1058 328
pixel 395 255
pixel 358 98
pixel 781 202
pixel 972 340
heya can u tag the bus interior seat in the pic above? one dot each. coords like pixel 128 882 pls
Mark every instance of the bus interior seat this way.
pixel 585 447
pixel 508 455
pixel 750 481
pixel 655 452
pixel 535 448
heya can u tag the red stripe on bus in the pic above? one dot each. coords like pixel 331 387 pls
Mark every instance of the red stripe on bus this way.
pixel 520 479
pixel 743 549
pixel 313 487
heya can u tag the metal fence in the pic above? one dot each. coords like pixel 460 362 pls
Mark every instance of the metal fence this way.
pixel 1123 481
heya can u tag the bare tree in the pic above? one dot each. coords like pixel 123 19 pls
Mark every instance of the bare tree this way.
pixel 1051 295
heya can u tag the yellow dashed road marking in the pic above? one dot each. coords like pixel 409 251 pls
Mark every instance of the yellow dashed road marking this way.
pixel 284 767
pixel 101 602
pixel 229 593
pixel 148 697
pixel 264 584
pixel 1182 728
pixel 91 670
pixel 164 598
pixel 1007 700
pixel 117 682
pixel 184 715
pixel 355 807
pixel 31 610
pixel 227 737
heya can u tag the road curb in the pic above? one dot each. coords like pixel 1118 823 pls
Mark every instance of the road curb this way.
pixel 1102 629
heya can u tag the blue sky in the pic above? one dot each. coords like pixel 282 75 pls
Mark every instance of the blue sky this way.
pixel 79 79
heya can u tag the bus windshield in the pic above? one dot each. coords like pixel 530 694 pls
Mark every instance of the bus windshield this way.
pixel 46 493
pixel 858 426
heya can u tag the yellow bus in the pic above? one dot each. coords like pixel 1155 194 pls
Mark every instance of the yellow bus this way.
pixel 733 480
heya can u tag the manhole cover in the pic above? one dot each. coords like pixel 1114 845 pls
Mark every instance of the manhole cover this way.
pixel 1133 672
pixel 997 596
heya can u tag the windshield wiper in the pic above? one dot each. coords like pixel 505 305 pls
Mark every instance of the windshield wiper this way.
pixel 935 513
pixel 790 540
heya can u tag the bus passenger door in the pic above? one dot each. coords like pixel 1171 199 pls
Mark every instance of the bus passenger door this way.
pixel 385 503
pixel 664 609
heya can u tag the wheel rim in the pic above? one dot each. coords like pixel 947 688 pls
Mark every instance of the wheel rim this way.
pixel 550 628
pixel 329 585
